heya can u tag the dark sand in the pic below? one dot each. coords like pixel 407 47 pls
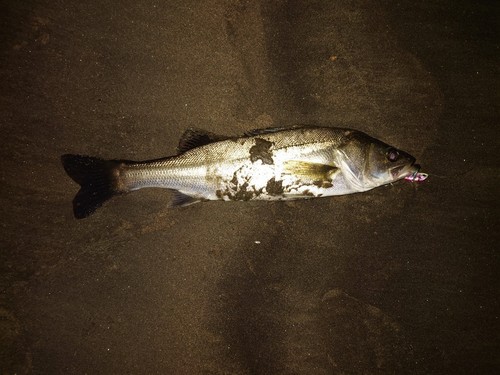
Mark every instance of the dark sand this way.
pixel 402 279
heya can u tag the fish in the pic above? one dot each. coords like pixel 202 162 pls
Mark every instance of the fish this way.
pixel 298 162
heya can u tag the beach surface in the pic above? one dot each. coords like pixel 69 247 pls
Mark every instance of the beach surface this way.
pixel 399 280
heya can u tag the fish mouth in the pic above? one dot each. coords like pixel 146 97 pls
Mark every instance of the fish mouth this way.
pixel 405 170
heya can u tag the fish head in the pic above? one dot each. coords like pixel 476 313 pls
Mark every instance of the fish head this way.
pixel 371 163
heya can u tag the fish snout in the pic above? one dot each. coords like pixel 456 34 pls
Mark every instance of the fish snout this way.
pixel 406 169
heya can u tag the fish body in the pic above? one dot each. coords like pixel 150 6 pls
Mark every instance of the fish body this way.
pixel 265 164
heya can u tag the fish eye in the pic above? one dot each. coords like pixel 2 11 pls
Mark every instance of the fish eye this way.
pixel 392 155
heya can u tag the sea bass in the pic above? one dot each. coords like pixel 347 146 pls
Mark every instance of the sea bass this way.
pixel 264 164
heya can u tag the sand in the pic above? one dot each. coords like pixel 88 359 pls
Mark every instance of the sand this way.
pixel 401 279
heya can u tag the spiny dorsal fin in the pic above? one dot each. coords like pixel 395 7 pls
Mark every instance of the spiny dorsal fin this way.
pixel 193 138
pixel 310 172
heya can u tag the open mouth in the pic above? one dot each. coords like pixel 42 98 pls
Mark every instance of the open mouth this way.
pixel 417 176
pixel 406 170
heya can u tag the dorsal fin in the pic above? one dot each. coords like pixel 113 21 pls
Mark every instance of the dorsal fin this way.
pixel 193 138
pixel 254 132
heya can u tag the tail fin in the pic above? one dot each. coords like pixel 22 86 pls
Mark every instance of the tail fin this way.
pixel 99 181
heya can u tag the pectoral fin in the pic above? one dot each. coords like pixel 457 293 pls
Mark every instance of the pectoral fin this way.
pixel 315 173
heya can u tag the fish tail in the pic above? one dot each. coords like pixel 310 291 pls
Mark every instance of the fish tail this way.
pixel 99 180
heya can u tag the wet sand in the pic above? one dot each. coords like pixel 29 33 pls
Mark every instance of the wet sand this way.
pixel 401 279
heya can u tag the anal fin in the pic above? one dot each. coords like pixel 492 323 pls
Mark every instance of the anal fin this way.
pixel 181 199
